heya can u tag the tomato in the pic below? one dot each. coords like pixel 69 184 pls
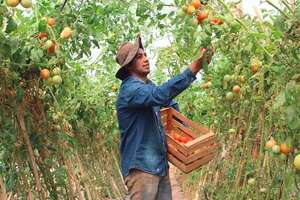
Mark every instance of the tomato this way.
pixel 270 143
pixel 196 4
pixel 229 96
pixel 190 10
pixel 56 80
pixel 26 3
pixel 181 13
pixel 254 69
pixel 285 149
pixel 297 162
pixel 42 36
pixel 242 79
pixel 263 190
pixel 53 48
pixel 184 8
pixel 232 130
pixel 177 137
pixel 276 148
pixel 202 16
pixel 12 3
pixel 44 74
pixel 251 181
pixel 51 21
pixel 55 71
pixel 184 139
pixel 47 44
pixel 66 33
pixel 216 21
pixel 206 85
pixel 227 78
pixel 236 89
pixel 282 157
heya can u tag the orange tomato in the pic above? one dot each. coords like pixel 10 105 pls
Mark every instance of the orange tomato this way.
pixel 254 69
pixel 51 21
pixel 270 143
pixel 190 10
pixel 66 33
pixel 202 16
pixel 285 149
pixel 196 4
pixel 216 21
pixel 44 74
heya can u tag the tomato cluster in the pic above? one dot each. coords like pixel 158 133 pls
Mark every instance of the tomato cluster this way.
pixel 181 139
pixel 195 8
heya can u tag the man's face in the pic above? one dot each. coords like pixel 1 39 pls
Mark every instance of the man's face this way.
pixel 140 64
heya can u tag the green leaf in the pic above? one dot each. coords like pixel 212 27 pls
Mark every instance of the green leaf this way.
pixel 42 26
pixel 280 100
pixel 11 25
pixel 36 55
pixel 293 118
pixel 20 94
pixel 1 20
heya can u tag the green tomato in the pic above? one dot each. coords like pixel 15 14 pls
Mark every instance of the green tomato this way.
pixel 47 44
pixel 227 78
pixel 276 148
pixel 57 80
pixel 229 96
pixel 55 117
pixel 56 71
pixel 181 13
pixel 282 157
pixel 263 190
pixel 232 130
pixel 251 181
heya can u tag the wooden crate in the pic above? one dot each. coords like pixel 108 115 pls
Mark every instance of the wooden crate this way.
pixel 197 152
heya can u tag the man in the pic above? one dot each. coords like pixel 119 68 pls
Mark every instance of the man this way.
pixel 144 163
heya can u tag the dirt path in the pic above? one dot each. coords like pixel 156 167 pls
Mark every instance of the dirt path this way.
pixel 177 193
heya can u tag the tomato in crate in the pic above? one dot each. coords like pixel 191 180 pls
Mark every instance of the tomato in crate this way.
pixel 189 145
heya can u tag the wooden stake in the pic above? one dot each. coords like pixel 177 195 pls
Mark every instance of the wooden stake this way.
pixel 20 116
pixel 3 195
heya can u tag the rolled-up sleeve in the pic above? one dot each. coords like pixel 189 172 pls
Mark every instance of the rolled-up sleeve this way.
pixel 143 94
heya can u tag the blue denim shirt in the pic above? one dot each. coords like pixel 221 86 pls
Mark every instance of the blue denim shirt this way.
pixel 142 144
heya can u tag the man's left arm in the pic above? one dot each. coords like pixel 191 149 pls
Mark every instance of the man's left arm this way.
pixel 174 105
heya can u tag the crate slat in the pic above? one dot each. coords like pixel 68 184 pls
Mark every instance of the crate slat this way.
pixel 179 155
pixel 177 145
pixel 201 140
pixel 201 153
pixel 177 162
pixel 181 127
pixel 199 162
pixel 189 122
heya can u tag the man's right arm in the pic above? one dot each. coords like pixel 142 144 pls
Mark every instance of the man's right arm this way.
pixel 151 95
pixel 142 95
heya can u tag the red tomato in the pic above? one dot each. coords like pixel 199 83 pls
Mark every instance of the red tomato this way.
pixel 185 140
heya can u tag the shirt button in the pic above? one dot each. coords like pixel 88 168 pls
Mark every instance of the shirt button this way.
pixel 157 169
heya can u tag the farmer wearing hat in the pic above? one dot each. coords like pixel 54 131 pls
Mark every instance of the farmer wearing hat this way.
pixel 143 149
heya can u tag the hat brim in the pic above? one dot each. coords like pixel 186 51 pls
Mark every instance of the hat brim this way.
pixel 123 72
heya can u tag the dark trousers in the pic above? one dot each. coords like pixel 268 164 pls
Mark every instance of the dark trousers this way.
pixel 145 186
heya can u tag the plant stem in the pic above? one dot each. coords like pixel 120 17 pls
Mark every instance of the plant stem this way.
pixel 273 5
pixel 247 29
pixel 287 6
